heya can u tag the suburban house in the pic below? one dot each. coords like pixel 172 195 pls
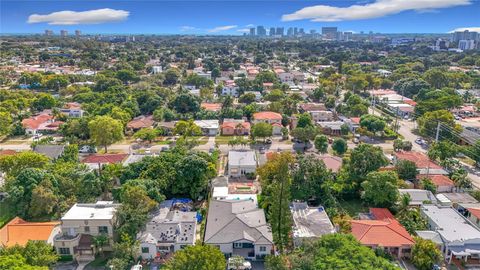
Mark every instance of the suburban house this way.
pixel 140 122
pixel 309 222
pixel 267 117
pixel 81 224
pixel 41 123
pixel 167 231
pixel 72 109
pixel 285 77
pixel 212 107
pixel 53 151
pixel 272 118
pixel 318 111
pixel 235 127
pixel 208 127
pixel 419 196
pixel 19 232
pixel 238 227
pixel 423 163
pixel 474 215
pixel 241 162
pixel 331 127
pixel 96 161
pixel 380 229
pixel 332 163
pixel 460 238
pixel 441 182
pixel 230 89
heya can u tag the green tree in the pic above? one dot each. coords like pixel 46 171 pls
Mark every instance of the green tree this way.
pixel 43 201
pixel 380 189
pixel 442 150
pixel 436 78
pixel 311 179
pixel 321 143
pixel 304 120
pixel 406 169
pixel 304 134
pixel 340 146
pixel 171 76
pixel 197 257
pixel 14 164
pixel 5 123
pixel 193 173
pixel 187 128
pixel 146 134
pixel 273 262
pixel 17 262
pixel 262 130
pixel 127 76
pixel 425 254
pixel 337 251
pixel 412 220
pixel 427 123
pixel 186 103
pixel 372 123
pixel 365 158
pixel 40 253
pixel 104 130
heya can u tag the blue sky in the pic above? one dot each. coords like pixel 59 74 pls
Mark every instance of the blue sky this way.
pixel 233 17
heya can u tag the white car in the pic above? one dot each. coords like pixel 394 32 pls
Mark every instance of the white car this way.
pixel 85 149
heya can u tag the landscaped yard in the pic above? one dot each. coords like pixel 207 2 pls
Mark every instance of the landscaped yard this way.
pixel 353 207
pixel 5 214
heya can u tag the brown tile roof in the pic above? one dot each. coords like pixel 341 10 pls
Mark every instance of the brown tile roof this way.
pixel 421 160
pixel 34 122
pixel 438 179
pixel 19 231
pixel 333 163
pixel 309 107
pixel 267 116
pixel 141 122
pixel 105 158
pixel 214 107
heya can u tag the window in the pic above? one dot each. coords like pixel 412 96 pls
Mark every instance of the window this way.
pixel 103 229
pixel 87 229
pixel 64 251
pixel 237 245
pixel 145 250
pixel 263 249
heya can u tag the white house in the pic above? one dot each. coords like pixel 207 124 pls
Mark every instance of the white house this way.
pixel 241 163
pixel 167 231
pixel 238 227
pixel 209 127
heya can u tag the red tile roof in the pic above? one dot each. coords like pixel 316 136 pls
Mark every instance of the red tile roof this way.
pixel 214 107
pixel 19 231
pixel 7 152
pixel 355 120
pixel 105 158
pixel 474 212
pixel 72 105
pixel 333 163
pixel 420 159
pixel 141 122
pixel 308 107
pixel 267 116
pixel 245 125
pixel 438 179
pixel 384 231
pixel 34 122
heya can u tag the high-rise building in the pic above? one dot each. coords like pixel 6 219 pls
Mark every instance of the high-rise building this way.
pixel 63 33
pixel 279 31
pixel 465 35
pixel 313 32
pixel 329 32
pixel 301 31
pixel 252 31
pixel 261 31
pixel 78 33
pixel 272 31
pixel 48 32
pixel 466 45
pixel 290 32
pixel 295 31
pixel 347 36
pixel 441 44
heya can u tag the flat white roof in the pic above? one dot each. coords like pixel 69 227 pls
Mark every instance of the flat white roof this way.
pixel 450 224
pixel 101 210
pixel 210 124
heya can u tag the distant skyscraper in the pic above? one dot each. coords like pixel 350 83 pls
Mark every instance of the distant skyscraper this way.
pixel 290 31
pixel 347 36
pixel 252 31
pixel 466 45
pixel 295 31
pixel 313 32
pixel 329 32
pixel 78 33
pixel 261 31
pixel 279 31
pixel 48 32
pixel 465 35
pixel 63 33
pixel 272 31
pixel 301 31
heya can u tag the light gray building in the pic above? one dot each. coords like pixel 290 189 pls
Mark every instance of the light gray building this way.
pixel 419 196
pixel 309 222
pixel 460 239
pixel 238 227
pixel 241 163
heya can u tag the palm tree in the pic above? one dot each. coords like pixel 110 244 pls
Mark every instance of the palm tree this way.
pixel 100 241
pixel 404 202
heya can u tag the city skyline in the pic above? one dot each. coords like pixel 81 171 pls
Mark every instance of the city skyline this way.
pixel 235 17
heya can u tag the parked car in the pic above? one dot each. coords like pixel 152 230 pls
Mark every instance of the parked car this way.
pixel 268 141
pixel 261 150
pixel 86 149
pixel 356 140
pixel 419 141
pixel 234 264
pixel 165 148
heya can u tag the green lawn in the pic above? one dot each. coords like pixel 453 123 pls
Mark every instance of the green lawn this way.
pixel 353 207
pixel 5 214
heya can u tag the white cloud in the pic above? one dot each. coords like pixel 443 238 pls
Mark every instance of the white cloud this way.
pixel 187 28
pixel 249 25
pixel 471 29
pixel 243 30
pixel 379 8
pixel 68 17
pixel 222 28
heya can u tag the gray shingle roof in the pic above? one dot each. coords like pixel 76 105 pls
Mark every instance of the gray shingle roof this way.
pixel 230 221
pixel 52 151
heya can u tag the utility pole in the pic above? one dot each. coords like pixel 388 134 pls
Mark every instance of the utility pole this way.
pixel 436 141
